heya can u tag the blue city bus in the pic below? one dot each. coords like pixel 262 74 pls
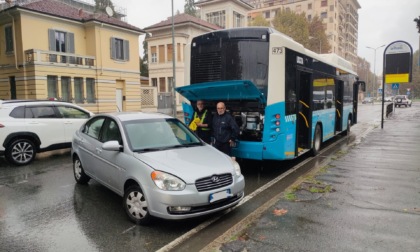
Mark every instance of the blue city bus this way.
pixel 287 100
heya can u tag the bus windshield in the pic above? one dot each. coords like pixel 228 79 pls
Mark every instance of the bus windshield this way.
pixel 232 59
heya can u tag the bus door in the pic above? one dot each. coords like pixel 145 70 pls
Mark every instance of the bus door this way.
pixel 339 95
pixel 304 114
pixel 355 98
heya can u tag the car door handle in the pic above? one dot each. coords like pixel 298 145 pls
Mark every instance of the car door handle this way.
pixel 99 151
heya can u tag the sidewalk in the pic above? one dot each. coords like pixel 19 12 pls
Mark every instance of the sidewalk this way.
pixel 365 199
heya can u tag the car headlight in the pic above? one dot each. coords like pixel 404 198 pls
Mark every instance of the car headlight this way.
pixel 237 167
pixel 167 182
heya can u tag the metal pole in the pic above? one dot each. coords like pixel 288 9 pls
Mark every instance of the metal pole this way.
pixel 173 65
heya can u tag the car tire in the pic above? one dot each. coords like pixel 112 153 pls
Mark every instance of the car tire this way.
pixel 79 173
pixel 135 205
pixel 316 146
pixel 21 152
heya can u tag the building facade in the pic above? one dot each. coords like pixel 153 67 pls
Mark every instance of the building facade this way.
pixel 53 50
pixel 224 13
pixel 340 18
pixel 215 14
pixel 162 54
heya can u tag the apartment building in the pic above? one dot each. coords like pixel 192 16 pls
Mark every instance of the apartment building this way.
pixel 50 49
pixel 224 13
pixel 340 18
pixel 161 54
pixel 215 14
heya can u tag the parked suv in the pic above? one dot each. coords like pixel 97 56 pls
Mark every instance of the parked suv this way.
pixel 31 126
pixel 402 100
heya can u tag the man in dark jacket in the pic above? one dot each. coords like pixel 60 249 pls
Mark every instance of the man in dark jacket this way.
pixel 224 129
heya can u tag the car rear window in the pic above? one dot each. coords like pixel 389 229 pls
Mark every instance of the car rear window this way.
pixel 18 112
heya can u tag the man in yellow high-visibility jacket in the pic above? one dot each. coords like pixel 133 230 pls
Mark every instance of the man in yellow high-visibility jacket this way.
pixel 202 119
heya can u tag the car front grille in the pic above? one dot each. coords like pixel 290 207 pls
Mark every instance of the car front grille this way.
pixel 213 182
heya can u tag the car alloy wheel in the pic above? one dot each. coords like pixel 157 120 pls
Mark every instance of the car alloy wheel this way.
pixel 136 206
pixel 21 152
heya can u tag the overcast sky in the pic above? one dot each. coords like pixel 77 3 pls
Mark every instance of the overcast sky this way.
pixel 381 22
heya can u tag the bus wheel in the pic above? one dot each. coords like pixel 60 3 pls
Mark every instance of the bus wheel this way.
pixel 317 140
pixel 348 126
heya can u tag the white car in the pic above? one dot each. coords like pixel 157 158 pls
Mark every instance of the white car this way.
pixel 157 164
pixel 402 100
pixel 31 126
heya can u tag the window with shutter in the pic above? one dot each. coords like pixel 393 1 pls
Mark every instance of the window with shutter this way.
pixel 161 54
pixel 59 41
pixel 120 49
pixel 169 51
pixel 8 32
pixel 154 54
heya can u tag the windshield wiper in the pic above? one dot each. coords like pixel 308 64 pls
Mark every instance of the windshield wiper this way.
pixel 193 144
pixel 149 149
pixel 169 147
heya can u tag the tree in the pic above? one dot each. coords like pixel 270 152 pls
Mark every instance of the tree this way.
pixel 259 20
pixel 189 8
pixel 144 62
pixel 100 6
pixel 318 40
pixel 292 24
pixel 364 73
pixel 415 83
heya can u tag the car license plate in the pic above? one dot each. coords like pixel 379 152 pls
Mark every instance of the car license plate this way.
pixel 220 195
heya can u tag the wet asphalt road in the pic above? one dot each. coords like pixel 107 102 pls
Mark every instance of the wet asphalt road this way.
pixel 374 204
pixel 43 209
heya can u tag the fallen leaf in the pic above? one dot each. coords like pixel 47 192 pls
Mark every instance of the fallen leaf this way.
pixel 279 212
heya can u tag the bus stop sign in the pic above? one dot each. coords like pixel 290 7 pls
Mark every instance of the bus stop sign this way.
pixel 398 58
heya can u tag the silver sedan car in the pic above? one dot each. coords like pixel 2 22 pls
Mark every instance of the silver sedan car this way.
pixel 159 167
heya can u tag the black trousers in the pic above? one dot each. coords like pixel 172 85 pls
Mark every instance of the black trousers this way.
pixel 223 147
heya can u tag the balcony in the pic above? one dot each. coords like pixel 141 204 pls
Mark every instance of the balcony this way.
pixel 34 56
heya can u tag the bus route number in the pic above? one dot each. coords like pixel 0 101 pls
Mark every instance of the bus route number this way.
pixel 277 50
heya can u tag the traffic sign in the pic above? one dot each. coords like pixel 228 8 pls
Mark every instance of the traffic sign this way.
pixel 395 86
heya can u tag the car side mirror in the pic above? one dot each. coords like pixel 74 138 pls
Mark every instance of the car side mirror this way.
pixel 362 85
pixel 112 146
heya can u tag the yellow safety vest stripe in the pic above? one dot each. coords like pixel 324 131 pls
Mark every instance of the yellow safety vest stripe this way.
pixel 201 119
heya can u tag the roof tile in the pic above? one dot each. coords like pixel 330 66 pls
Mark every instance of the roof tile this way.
pixel 183 18
pixel 64 10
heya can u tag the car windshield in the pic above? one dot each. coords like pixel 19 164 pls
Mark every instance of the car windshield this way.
pixel 158 134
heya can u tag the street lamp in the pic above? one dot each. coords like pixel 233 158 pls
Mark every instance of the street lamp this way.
pixel 374 66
